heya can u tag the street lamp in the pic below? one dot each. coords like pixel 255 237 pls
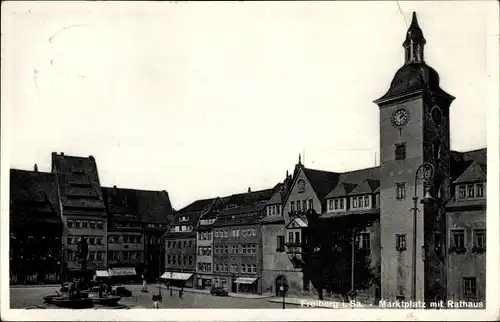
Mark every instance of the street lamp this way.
pixel 427 170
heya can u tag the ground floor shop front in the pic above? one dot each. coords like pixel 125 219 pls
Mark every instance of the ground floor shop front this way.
pixel 238 284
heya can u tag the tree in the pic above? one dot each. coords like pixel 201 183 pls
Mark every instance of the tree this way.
pixel 329 260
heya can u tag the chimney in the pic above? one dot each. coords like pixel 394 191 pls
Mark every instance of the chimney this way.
pixel 249 190
pixel 35 167
pixel 62 153
pixel 114 187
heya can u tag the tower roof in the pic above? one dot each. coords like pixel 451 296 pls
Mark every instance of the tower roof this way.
pixel 415 76
pixel 414 32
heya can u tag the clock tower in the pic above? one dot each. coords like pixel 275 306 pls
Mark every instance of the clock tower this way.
pixel 414 129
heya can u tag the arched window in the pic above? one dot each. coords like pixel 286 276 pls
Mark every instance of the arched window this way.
pixel 301 184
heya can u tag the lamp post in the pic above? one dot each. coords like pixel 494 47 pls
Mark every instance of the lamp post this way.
pixel 427 170
pixel 353 249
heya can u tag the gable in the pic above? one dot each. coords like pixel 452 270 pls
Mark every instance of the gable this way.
pixel 296 223
pixel 475 172
pixel 341 190
pixel 366 187
pixel 301 188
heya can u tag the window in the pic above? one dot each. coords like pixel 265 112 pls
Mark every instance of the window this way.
pixel 469 286
pixel 169 259
pixel 209 267
pixel 458 238
pixel 470 191
pixel 77 224
pixel 70 223
pixel 280 243
pixel 92 240
pixel 290 237
pixel 92 225
pixel 173 259
pixel 400 191
pixel 209 235
pixel 401 151
pixel 243 268
pixel 185 259
pixel 254 268
pixel 99 240
pixel 301 186
pixel 216 234
pixel 480 238
pixel 341 203
pixel 479 190
pixel 254 249
pixel 190 260
pixel 310 204
pixel 355 202
pixel 304 205
pixel 400 242
pixel 226 249
pixel 336 204
pixel 99 225
pixel 292 205
pixel 69 240
pixel 297 237
pixel 190 243
pixel 364 241
pixel 330 204
pixel 100 256
pixel 366 201
pixel 299 206
pixel 226 233
pixel 237 232
pixel 462 194
pixel 85 224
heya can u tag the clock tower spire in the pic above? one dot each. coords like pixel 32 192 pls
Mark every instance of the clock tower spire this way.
pixel 414 43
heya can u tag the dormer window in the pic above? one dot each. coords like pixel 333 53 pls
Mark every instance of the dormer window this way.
pixel 470 191
pixel 361 202
pixel 301 186
pixel 337 204
pixel 479 190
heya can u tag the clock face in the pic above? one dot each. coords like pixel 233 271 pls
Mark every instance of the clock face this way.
pixel 437 115
pixel 400 117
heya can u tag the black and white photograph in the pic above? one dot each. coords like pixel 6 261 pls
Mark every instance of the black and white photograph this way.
pixel 295 160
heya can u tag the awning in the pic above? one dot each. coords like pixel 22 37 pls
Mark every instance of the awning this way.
pixel 101 273
pixel 176 276
pixel 122 271
pixel 245 280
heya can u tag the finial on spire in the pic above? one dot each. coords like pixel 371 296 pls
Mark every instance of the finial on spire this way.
pixel 299 159
pixel 414 42
pixel 414 21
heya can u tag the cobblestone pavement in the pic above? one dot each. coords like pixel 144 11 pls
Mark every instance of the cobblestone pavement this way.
pixel 32 297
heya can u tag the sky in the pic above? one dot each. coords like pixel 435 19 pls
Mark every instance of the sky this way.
pixel 209 99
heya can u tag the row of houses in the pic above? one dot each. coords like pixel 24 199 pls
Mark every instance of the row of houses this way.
pixel 412 228
pixel 51 212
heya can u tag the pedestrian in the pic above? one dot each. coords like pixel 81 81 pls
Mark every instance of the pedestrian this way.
pixel 156 300
pixel 144 284
pixel 180 292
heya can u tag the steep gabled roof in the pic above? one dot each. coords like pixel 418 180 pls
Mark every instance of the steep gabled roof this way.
pixel 194 211
pixel 321 181
pixel 33 197
pixel 366 187
pixel 341 190
pixel 475 172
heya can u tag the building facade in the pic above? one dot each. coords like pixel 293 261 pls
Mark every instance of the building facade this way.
pixel 180 241
pixel 204 248
pixel 237 257
pixel 36 228
pixel 83 211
